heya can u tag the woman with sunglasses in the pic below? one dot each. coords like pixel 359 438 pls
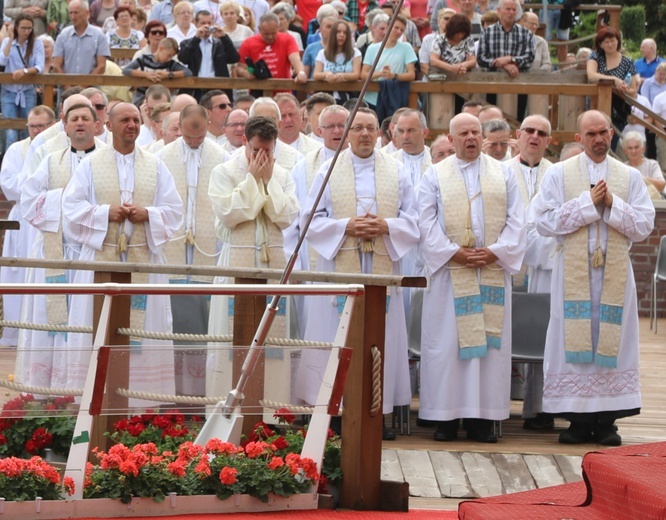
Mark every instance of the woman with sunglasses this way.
pixel 155 31
pixel 21 53
pixel 339 61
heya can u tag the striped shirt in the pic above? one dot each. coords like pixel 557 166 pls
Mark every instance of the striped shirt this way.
pixel 495 42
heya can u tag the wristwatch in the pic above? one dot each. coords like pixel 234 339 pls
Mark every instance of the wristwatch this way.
pixel 25 71
pixel 170 75
pixel 395 76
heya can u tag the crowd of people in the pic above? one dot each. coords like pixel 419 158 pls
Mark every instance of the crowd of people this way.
pixel 226 178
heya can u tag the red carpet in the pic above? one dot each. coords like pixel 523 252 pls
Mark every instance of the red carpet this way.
pixel 320 514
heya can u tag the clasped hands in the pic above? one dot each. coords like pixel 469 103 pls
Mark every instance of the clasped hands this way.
pixel 135 214
pixel 367 227
pixel 600 193
pixel 506 63
pixel 474 257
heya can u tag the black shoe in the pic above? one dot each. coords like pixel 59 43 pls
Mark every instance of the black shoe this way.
pixel 542 421
pixel 446 431
pixel 577 433
pixel 607 435
pixel 481 430
pixel 387 435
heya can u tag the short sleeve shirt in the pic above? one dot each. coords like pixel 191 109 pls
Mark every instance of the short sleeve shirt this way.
pixel 340 64
pixel 80 52
pixel 276 55
pixel 396 58
pixel 625 66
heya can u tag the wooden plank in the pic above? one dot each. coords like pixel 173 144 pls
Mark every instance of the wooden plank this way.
pixel 545 470
pixel 419 473
pixel 450 474
pixel 483 476
pixel 570 466
pixel 391 469
pixel 513 472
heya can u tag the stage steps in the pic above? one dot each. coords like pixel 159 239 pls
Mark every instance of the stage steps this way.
pixel 619 483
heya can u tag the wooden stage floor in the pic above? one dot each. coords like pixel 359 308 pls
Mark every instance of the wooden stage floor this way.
pixel 443 474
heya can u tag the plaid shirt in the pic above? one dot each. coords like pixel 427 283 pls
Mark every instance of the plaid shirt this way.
pixel 353 13
pixel 495 42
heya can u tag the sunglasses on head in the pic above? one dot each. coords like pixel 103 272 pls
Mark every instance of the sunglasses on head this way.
pixel 530 130
pixel 158 33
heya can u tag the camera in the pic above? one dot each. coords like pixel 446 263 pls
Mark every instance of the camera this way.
pixel 212 29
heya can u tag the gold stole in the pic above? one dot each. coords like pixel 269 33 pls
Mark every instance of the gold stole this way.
pixel 107 191
pixel 313 162
pixel 205 241
pixel 242 238
pixel 577 265
pixel 343 199
pixel 479 304
pixel 60 165
pixel 285 156
pixel 521 279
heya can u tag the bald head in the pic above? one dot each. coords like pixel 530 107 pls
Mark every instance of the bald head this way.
pixel 595 133
pixel 592 116
pixel 74 99
pixel 464 118
pixel 181 101
pixel 465 135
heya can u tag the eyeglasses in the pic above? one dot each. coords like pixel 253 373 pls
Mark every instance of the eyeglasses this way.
pixel 222 106
pixel 234 125
pixel 157 33
pixel 359 128
pixel 339 126
pixel 99 106
pixel 530 130
pixel 501 144
pixel 37 127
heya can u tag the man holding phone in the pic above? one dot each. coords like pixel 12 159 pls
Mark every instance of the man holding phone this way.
pixel 208 53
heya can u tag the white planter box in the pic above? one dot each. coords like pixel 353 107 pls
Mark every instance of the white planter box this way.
pixel 173 505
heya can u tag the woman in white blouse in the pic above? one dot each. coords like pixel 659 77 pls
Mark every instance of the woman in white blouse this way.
pixel 183 28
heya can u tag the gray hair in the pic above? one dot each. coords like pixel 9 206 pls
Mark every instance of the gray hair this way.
pixel 265 101
pixel 339 4
pixel 378 18
pixel 269 17
pixel 333 109
pixel 633 136
pixel 495 125
pixel 46 38
pixel 502 2
pixel 570 150
pixel 284 8
pixel 583 51
pixel 325 11
pixel 91 91
pixel 423 123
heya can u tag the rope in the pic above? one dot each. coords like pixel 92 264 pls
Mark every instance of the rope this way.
pixel 225 338
pixel 45 327
pixel 376 381
pixel 41 390
pixel 292 407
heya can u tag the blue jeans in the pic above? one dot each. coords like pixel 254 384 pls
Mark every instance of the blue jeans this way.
pixel 10 110
pixel 551 18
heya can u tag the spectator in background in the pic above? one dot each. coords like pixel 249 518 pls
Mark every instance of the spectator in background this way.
pixel 357 11
pixel 339 61
pixel 377 21
pixel 395 63
pixel 555 20
pixel 231 11
pixel 183 28
pixel 285 13
pixel 156 67
pixel 100 10
pixel 21 54
pixel 80 48
pixel 633 145
pixel 429 39
pixel 411 34
pixel 248 19
pixel 324 11
pixel 35 8
pixel 419 15
pixel 541 62
pixel 209 52
pixel 655 85
pixel 467 8
pixel 155 33
pixel 313 49
pixel 139 19
pixel 278 50
pixel 123 36
pixel 647 65
pixel 258 8
pixel 453 52
pixel 213 7
pixel 57 16
pixel 506 45
pixel 162 12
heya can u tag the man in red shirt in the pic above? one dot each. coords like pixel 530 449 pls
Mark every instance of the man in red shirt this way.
pixel 278 50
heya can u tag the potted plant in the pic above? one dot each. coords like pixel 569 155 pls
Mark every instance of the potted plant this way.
pixel 22 480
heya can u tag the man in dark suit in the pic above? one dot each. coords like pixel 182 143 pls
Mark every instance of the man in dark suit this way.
pixel 208 53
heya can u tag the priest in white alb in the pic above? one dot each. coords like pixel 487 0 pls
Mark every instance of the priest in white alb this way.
pixel 596 207
pixel 366 222
pixel 122 206
pixel 471 218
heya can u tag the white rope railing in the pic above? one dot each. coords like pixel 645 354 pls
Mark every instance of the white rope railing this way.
pixel 45 327
pixel 40 390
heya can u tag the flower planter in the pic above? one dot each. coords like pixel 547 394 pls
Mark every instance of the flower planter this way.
pixel 173 505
